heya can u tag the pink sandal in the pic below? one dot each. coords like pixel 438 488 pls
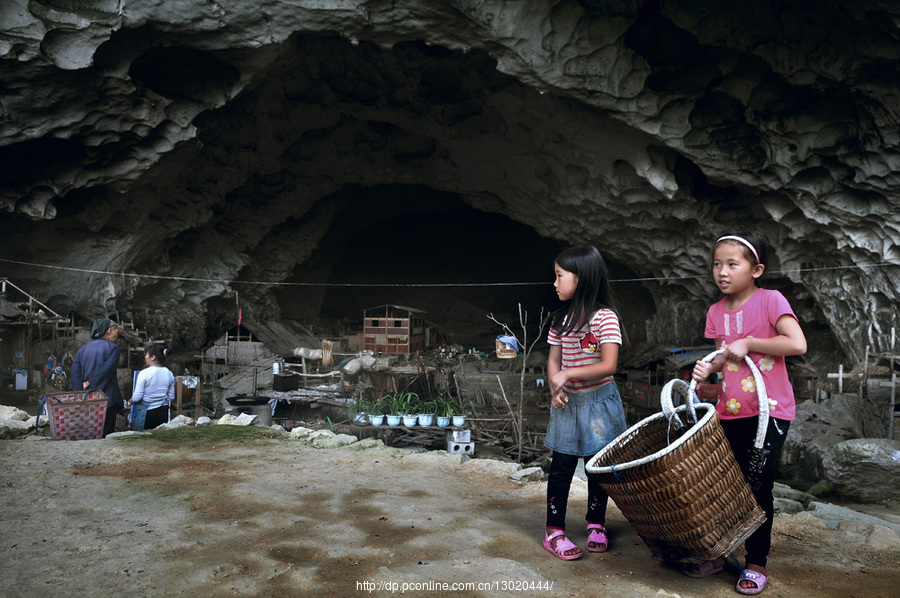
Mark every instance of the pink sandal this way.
pixel 562 545
pixel 701 570
pixel 597 535
pixel 756 578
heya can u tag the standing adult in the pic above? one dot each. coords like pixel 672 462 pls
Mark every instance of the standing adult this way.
pixel 154 391
pixel 95 367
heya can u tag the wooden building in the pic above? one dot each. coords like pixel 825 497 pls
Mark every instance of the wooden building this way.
pixel 393 329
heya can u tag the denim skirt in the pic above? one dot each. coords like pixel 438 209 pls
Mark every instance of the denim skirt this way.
pixel 589 421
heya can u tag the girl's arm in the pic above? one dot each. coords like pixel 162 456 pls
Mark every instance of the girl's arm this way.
pixel 790 341
pixel 558 399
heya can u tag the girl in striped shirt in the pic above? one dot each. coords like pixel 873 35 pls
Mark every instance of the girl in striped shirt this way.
pixel 586 410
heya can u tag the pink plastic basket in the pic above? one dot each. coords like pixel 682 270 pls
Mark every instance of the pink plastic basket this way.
pixel 77 415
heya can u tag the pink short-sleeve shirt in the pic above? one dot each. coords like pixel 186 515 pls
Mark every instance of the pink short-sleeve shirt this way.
pixel 756 318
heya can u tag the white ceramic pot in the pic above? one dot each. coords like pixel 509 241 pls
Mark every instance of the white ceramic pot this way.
pixel 443 421
pixel 426 419
pixel 376 420
pixel 409 420
pixel 459 420
pixel 393 420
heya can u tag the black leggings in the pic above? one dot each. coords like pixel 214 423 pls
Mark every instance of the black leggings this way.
pixel 559 481
pixel 741 433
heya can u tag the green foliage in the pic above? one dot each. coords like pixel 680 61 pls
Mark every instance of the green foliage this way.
pixel 446 405
pixel 363 400
pixel 399 403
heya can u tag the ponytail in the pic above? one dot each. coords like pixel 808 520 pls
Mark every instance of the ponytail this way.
pixel 159 352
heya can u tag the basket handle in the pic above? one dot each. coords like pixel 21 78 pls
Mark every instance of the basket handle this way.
pixel 665 400
pixel 763 422
pixel 37 418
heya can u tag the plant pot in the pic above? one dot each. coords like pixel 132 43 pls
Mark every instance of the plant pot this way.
pixel 393 420
pixel 361 419
pixel 459 420
pixel 443 421
pixel 426 419
pixel 409 420
pixel 376 420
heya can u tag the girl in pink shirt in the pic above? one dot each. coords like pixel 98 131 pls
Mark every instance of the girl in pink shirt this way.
pixel 760 323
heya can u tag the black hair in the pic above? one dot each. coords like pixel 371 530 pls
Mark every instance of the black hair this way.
pixel 758 242
pixel 157 351
pixel 592 292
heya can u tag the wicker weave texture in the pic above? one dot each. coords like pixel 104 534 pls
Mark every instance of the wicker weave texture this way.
pixel 690 504
pixel 77 415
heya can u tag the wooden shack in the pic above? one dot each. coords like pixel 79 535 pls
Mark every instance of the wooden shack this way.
pixel 393 329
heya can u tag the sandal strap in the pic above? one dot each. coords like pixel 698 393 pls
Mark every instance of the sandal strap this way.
pixel 563 544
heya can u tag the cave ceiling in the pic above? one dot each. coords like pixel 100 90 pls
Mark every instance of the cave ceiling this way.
pixel 167 161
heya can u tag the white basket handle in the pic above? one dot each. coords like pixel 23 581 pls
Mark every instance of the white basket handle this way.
pixel 763 422
pixel 668 407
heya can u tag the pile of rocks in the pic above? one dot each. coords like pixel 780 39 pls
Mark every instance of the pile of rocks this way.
pixel 14 422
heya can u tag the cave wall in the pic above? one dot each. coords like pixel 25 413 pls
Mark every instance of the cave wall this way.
pixel 161 157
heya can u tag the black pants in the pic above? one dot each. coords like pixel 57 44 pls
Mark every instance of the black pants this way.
pixel 156 417
pixel 559 481
pixel 741 433
pixel 109 422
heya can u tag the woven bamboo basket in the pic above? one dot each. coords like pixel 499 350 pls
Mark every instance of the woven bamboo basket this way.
pixel 678 483
pixel 76 415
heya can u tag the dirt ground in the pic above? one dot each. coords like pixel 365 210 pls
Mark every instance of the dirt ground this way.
pixel 207 512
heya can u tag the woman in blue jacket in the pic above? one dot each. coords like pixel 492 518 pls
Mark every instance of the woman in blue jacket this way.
pixel 95 366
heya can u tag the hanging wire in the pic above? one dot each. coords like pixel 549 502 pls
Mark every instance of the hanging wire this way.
pixel 405 284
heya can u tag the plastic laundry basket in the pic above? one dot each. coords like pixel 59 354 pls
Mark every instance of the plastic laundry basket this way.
pixel 76 415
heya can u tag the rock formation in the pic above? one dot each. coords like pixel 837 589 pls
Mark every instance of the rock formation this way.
pixel 160 158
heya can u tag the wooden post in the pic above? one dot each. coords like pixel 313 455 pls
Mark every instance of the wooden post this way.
pixel 893 387
pixel 179 393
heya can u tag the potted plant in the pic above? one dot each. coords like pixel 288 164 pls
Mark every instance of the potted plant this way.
pixel 406 405
pixel 426 412
pixel 443 409
pixel 386 405
pixel 441 412
pixel 458 414
pixel 359 410
pixel 380 409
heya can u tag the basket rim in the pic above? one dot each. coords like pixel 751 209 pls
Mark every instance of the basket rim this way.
pixel 591 466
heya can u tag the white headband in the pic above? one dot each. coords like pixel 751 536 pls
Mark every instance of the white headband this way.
pixel 740 240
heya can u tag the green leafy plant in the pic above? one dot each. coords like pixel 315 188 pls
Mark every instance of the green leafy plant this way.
pixel 427 407
pixel 360 405
pixel 384 405
pixel 446 405
pixel 405 402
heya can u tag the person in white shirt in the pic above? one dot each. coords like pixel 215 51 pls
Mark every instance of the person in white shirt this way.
pixel 154 390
